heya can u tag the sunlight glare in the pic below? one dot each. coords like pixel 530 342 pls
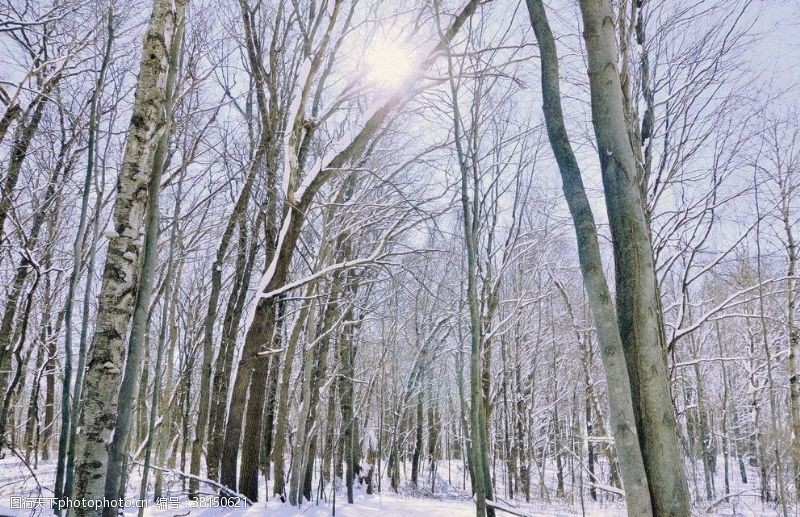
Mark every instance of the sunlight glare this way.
pixel 388 63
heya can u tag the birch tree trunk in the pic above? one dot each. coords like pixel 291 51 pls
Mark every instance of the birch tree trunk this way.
pixel 137 345
pixel 120 276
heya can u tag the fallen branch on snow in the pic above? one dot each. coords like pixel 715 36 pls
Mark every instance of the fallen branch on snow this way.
pixel 222 488
pixel 507 509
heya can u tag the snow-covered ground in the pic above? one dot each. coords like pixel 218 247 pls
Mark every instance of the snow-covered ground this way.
pixel 17 480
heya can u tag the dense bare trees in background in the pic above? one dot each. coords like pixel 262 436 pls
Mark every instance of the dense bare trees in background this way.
pixel 340 257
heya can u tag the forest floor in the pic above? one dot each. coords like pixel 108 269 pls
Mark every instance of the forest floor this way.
pixel 18 480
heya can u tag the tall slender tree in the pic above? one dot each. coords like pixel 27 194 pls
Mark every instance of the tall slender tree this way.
pixel 121 272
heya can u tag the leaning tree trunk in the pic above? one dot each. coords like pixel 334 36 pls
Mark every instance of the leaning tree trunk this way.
pixel 235 219
pixel 251 444
pixel 12 113
pixel 282 395
pixel 120 276
pixel 115 479
pixel 638 305
pixel 23 137
pixel 263 317
pixel 623 421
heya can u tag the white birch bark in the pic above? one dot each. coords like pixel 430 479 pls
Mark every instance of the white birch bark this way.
pixel 120 276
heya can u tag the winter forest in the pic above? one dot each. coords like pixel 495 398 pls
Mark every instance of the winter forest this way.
pixel 425 258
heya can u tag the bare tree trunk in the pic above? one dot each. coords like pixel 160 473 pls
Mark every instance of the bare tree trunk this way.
pixel 162 341
pixel 623 421
pixel 185 404
pixel 33 436
pixel 295 205
pixel 282 417
pixel 480 452
pixel 23 136
pixel 558 446
pixel 12 113
pixel 251 374
pixel 346 393
pixel 222 366
pixel 77 398
pixel 417 442
pixel 638 304
pixel 120 276
pixel 253 429
pixel 44 215
pixel 301 447
pixel 236 218
pixel 726 449
pixel 32 416
pixel 139 423
pixel 370 474
pixel 479 458
pixel 21 364
pixel 329 440
pixel 117 451
pixel 165 437
pixel 271 399
pixel 315 372
pixel 780 488
pixel 49 398
pixel 434 431
pixel 792 329
pixel 260 332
